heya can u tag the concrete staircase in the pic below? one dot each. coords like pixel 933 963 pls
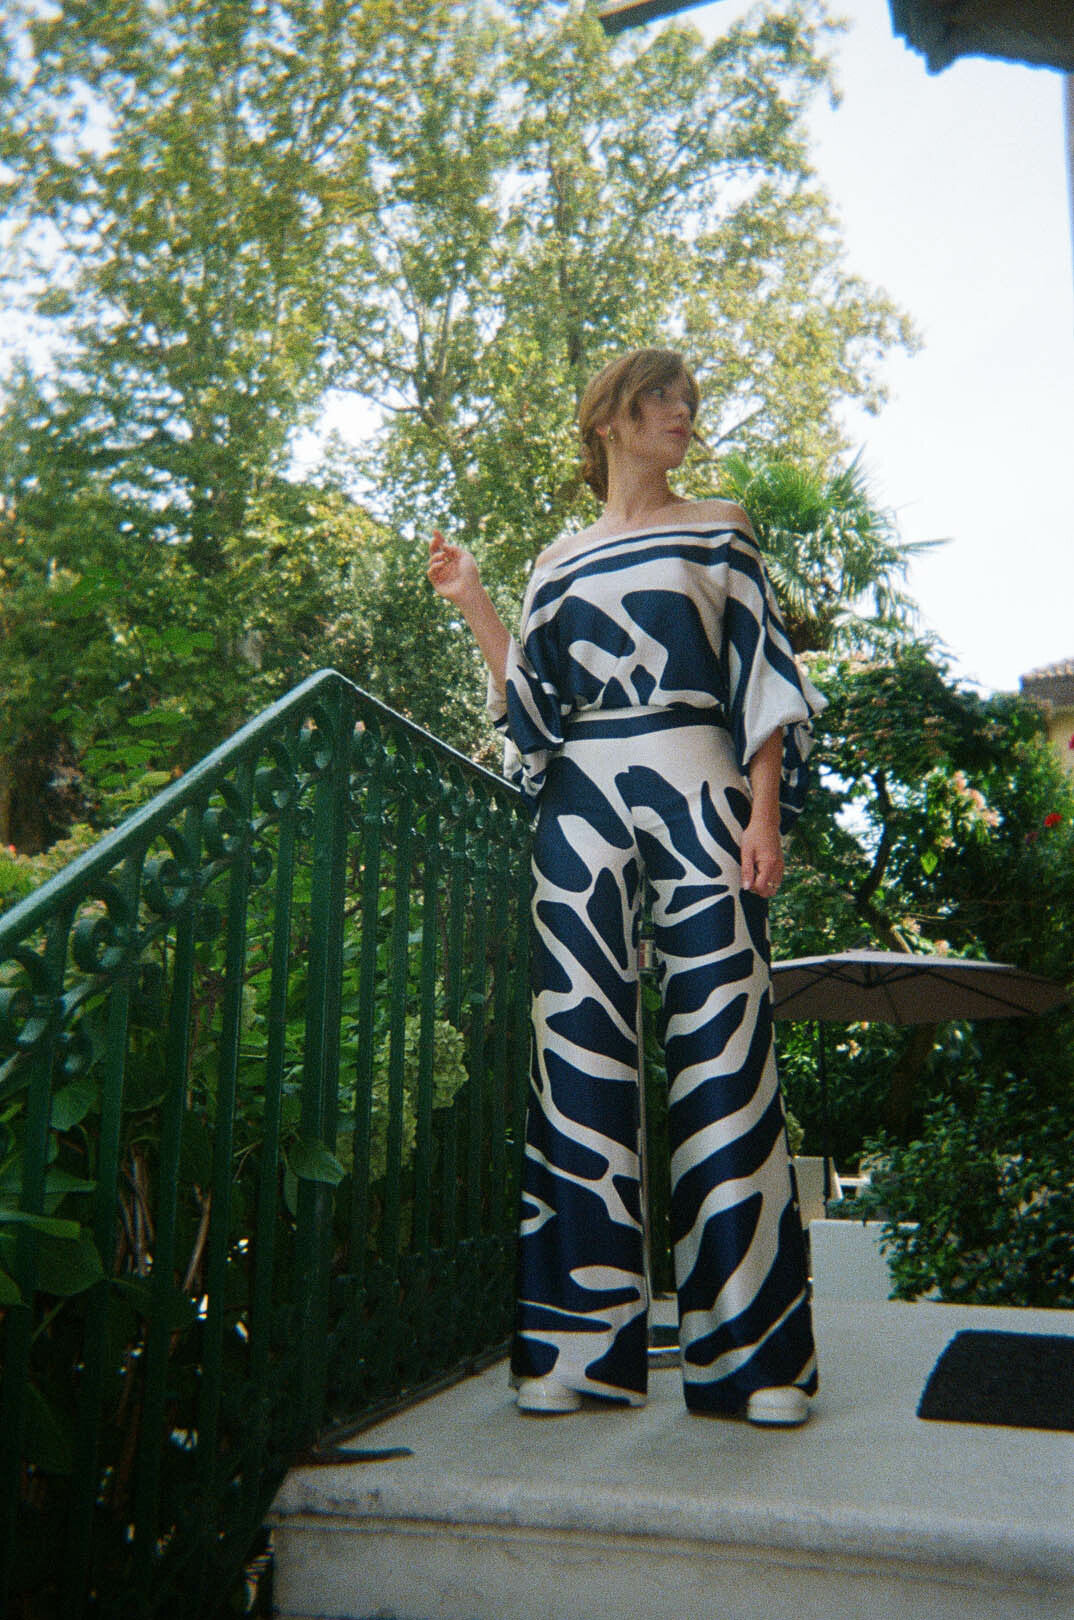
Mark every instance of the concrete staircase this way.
pixel 654 1514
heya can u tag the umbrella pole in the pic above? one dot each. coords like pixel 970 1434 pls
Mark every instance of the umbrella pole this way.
pixel 825 1116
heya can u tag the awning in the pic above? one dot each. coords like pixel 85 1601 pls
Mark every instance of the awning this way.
pixel 618 15
pixel 1036 31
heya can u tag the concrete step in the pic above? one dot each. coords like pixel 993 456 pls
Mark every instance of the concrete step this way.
pixel 654 1514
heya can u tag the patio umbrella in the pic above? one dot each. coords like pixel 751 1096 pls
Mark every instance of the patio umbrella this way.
pixel 896 987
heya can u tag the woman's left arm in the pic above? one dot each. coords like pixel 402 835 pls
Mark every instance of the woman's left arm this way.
pixel 762 848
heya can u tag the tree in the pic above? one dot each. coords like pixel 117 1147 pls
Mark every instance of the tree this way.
pixel 174 167
pixel 452 213
pixel 941 822
pixel 974 1173
pixel 179 165
pixel 111 666
pixel 549 198
pixel 834 557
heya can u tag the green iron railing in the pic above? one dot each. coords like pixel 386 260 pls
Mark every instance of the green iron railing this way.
pixel 262 1069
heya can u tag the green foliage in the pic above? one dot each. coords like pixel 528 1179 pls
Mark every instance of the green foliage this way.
pixel 143 664
pixel 962 813
pixel 942 822
pixel 899 750
pixel 173 161
pixel 980 1209
pixel 227 215
pixel 830 552
pixel 449 1075
pixel 395 1167
pixel 602 195
pixel 179 168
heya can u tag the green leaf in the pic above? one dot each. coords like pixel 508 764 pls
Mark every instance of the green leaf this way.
pixel 58 1183
pixel 72 1103
pixel 929 862
pixel 156 717
pixel 9 1289
pixel 145 1090
pixel 67 1266
pixel 52 1225
pixel 311 1160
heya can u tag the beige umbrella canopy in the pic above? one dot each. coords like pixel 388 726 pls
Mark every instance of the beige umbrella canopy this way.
pixel 894 987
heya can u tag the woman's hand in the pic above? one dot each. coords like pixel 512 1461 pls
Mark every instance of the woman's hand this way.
pixel 453 574
pixel 762 857
pixel 762 848
pixel 452 571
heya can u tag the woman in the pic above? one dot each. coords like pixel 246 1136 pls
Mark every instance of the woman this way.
pixel 661 726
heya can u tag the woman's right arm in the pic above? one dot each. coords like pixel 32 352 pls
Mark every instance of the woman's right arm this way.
pixel 453 574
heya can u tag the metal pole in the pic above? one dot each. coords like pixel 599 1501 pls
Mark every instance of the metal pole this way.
pixel 643 1142
pixel 663 1342
pixel 825 1116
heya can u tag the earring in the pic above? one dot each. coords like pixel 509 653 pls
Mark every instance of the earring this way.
pixel 613 437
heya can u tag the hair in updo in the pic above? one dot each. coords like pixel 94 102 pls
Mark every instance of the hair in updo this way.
pixel 621 384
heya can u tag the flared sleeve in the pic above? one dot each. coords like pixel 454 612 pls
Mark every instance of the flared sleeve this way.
pixel 528 709
pixel 765 686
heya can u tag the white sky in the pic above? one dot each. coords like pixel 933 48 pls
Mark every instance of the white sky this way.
pixel 952 189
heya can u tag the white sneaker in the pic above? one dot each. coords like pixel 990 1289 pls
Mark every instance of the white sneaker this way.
pixel 547 1395
pixel 780 1408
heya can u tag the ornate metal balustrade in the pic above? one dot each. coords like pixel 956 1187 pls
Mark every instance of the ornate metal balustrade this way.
pixel 262 1060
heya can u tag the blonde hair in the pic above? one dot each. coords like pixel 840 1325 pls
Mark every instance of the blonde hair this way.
pixel 620 385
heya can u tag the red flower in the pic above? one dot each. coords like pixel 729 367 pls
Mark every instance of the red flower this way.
pixel 1070 744
pixel 1053 819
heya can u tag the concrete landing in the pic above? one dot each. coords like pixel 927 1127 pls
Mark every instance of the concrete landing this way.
pixel 654 1514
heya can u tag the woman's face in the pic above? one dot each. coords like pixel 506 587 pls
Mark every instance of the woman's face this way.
pixel 660 430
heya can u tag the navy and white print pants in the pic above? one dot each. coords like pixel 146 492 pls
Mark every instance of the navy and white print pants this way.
pixel 653 796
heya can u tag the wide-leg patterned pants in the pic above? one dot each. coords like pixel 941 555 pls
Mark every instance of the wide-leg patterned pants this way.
pixel 654 796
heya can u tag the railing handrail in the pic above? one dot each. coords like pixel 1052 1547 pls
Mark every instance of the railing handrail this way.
pixel 144 824
pixel 263 1138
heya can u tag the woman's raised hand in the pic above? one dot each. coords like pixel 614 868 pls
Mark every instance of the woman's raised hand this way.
pixel 453 574
pixel 452 571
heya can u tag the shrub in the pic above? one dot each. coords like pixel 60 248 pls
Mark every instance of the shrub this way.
pixel 979 1210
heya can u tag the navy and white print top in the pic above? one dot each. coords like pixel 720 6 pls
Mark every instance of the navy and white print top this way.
pixel 672 617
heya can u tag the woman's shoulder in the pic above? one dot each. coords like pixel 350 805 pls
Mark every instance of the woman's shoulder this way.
pixel 716 510
pixel 702 513
pixel 573 540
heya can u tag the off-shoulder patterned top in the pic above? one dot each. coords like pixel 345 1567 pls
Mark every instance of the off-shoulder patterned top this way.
pixel 681 616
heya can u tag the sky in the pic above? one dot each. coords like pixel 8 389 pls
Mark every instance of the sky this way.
pixel 953 194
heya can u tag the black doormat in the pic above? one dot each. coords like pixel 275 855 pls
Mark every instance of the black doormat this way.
pixel 1025 1380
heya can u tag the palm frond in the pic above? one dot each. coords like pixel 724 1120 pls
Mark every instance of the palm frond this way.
pixel 835 557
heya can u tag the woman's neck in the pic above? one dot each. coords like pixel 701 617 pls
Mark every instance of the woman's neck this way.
pixel 633 499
